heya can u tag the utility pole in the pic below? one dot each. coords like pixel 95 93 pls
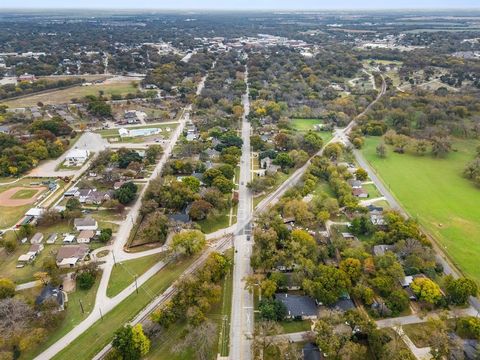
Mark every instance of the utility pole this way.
pixel 81 306
pixel 114 261
pixel 136 286
pixel 101 315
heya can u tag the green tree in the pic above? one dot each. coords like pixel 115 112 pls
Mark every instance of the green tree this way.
pixel 381 150
pixel 361 174
pixel 73 204
pixel 188 242
pixel 351 267
pixel 223 184
pixel 398 301
pixel 130 342
pixel 7 288
pixel 327 284
pixel 192 182
pixel 105 235
pixel 271 309
pixel 458 290
pixel 426 290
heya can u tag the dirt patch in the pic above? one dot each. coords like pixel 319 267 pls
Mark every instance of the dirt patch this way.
pixel 7 197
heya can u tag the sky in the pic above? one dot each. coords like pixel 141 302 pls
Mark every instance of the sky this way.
pixel 241 4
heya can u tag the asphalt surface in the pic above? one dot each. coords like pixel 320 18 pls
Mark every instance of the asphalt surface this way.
pixel 242 319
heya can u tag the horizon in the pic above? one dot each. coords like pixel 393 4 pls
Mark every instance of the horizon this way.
pixel 248 5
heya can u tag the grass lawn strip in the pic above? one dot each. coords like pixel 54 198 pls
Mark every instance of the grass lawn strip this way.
pixel 123 274
pixel 87 345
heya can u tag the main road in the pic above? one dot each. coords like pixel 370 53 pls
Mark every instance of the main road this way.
pixel 242 321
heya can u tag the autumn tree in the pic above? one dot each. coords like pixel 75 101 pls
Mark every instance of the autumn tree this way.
pixel 188 242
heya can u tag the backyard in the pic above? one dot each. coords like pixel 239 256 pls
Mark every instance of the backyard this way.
pixel 434 192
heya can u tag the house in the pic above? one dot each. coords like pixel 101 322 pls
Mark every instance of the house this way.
pixel 51 293
pixel 360 193
pixel 83 194
pixel 355 184
pixel 37 238
pixel 77 157
pixel 71 192
pixel 310 351
pixel 35 212
pixel 69 239
pixel 298 306
pixel 377 220
pixel 69 255
pixel 85 236
pixel 212 153
pixel 347 236
pixel 265 162
pixel 272 169
pixel 343 304
pixel 35 249
pixel 25 259
pixel 118 184
pixel 379 250
pixel 87 223
pixel 27 77
pixel 52 238
pixel 98 197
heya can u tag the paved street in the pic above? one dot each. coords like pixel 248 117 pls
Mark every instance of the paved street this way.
pixel 242 320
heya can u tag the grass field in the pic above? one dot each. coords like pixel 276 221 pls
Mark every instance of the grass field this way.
pixel 295 326
pixel 99 334
pixel 434 192
pixel 305 124
pixel 123 274
pixel 65 95
pixel 112 134
pixel 24 194
pixel 214 223
pixel 73 316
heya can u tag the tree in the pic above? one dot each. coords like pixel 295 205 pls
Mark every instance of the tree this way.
pixel 223 184
pixel 458 290
pixel 469 327
pixel 201 338
pixel 130 342
pixel 154 228
pixel 441 146
pixel 284 160
pixel 105 235
pixel 398 301
pixel 351 267
pixel 268 287
pixel 312 142
pixel 192 182
pixel 426 290
pixel 188 242
pixel 200 209
pixel 210 175
pixel 327 284
pixel 381 150
pixel 85 280
pixel 333 151
pixel 272 309
pixel 73 204
pixel 472 171
pixel 126 193
pixel 7 288
pixel 361 174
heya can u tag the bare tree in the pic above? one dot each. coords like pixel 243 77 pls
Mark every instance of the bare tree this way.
pixel 201 338
pixel 15 316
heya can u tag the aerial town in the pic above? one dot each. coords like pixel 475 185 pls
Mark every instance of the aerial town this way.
pixel 239 185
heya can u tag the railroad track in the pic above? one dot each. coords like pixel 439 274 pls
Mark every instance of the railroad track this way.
pixel 220 246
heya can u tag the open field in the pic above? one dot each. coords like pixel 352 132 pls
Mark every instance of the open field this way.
pixel 434 192
pixel 123 274
pixel 112 134
pixel 76 92
pixel 73 316
pixel 305 124
pixel 98 335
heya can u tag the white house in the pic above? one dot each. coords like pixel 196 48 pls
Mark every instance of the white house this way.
pixel 77 157
pixel 69 238
pixel 87 223
pixel 85 236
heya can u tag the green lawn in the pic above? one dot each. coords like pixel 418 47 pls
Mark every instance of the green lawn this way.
pixel 123 274
pixel 214 223
pixel 295 326
pixel 100 334
pixel 73 316
pixel 372 191
pixel 65 95
pixel 434 192
pixel 305 124
pixel 24 194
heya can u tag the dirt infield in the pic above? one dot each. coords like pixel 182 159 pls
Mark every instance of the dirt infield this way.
pixel 6 197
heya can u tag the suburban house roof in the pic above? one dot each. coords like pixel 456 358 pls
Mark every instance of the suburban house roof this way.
pixel 72 251
pixel 88 221
pixel 297 305
pixel 343 305
pixel 78 154
pixel 35 248
pixel 50 292
pixel 35 212
pixel 86 234
pixel 311 352
pixel 359 192
pixel 379 250
pixel 38 237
